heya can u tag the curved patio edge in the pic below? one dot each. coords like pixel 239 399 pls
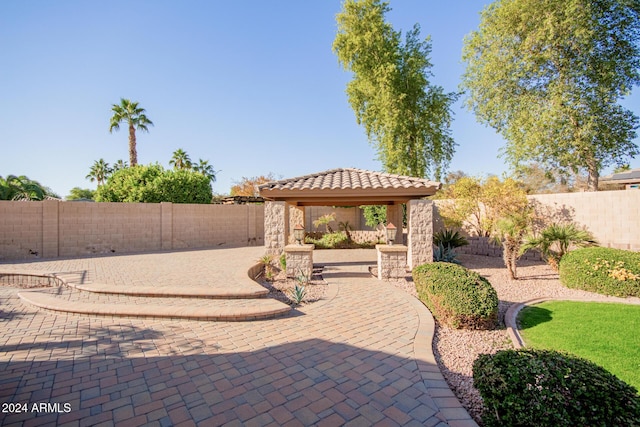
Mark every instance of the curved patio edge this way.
pixel 443 397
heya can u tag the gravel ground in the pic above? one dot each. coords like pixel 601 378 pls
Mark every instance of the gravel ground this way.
pixel 281 287
pixel 455 350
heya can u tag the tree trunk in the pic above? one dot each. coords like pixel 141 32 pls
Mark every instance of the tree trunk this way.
pixel 133 155
pixel 594 175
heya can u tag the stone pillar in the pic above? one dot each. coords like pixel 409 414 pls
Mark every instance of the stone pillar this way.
pixel 394 216
pixel 299 260
pixel 296 216
pixel 392 261
pixel 50 229
pixel 274 227
pixel 420 238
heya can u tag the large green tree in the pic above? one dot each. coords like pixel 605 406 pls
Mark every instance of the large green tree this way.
pixel 548 76
pixel 77 193
pixel 406 118
pixel 134 116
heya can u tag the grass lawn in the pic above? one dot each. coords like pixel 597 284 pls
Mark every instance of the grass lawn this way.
pixel 606 334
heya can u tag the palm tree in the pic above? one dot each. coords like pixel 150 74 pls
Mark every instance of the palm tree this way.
pixel 205 169
pixel 135 118
pixel 21 188
pixel 180 159
pixel 119 165
pixel 100 171
pixel 556 240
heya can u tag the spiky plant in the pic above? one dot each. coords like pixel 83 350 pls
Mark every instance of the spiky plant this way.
pixel 297 294
pixel 449 237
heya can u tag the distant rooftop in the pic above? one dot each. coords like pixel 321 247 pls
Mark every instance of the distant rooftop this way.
pixel 631 176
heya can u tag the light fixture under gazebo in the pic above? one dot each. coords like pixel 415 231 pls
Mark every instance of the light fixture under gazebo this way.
pixel 298 233
pixel 391 233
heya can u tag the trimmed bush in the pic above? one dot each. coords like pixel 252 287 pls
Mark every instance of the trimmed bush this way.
pixel 603 270
pixel 548 388
pixel 154 184
pixel 456 296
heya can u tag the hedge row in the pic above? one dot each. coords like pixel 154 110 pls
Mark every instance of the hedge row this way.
pixel 603 270
pixel 456 296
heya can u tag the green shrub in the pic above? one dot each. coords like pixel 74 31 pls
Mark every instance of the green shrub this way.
pixel 456 296
pixel 603 270
pixel 335 240
pixel 154 184
pixel 547 388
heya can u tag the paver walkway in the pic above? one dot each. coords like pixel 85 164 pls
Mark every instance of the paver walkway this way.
pixel 361 357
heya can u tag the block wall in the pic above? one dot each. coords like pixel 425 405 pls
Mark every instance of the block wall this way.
pixel 53 229
pixel 612 216
pixel 20 230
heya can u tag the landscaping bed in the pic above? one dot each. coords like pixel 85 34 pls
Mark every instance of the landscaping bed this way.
pixel 456 349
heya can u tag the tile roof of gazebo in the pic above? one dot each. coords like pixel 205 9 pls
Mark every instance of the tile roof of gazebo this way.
pixel 348 186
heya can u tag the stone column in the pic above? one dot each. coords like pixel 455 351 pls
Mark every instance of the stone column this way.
pixel 299 260
pixel 392 261
pixel 420 238
pixel 394 216
pixel 296 216
pixel 274 227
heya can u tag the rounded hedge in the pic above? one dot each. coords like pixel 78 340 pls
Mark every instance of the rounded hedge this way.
pixel 547 388
pixel 603 270
pixel 456 296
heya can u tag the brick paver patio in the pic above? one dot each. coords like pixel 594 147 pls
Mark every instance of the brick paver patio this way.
pixel 361 357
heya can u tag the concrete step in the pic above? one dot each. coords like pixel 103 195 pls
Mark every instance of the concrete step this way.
pixel 210 292
pixel 69 300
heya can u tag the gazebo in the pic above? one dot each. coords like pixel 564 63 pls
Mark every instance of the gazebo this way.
pixel 286 200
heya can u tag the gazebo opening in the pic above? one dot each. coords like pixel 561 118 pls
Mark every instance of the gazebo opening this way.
pixel 289 199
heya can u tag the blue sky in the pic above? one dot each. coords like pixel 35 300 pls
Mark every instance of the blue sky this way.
pixel 252 86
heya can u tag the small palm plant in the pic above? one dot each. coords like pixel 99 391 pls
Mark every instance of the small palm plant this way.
pixel 556 240
pixel 510 232
pixel 267 261
pixel 325 220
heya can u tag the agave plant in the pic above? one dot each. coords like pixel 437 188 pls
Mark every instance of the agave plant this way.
pixel 445 254
pixel 556 240
pixel 297 294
